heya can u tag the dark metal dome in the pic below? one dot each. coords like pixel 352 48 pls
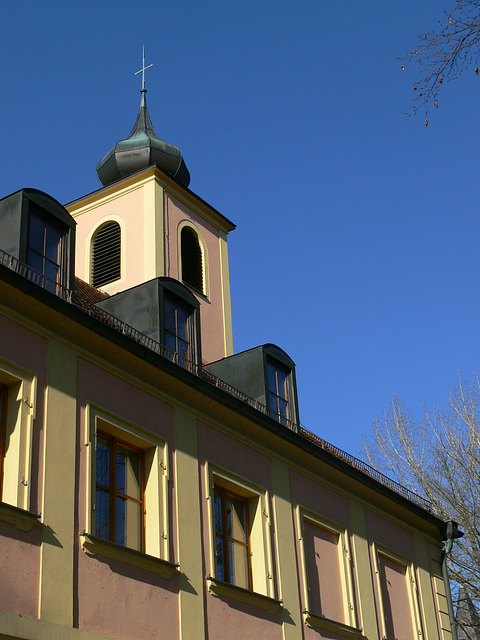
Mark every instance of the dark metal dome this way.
pixel 142 149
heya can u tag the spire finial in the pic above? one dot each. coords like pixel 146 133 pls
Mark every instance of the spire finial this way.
pixel 143 69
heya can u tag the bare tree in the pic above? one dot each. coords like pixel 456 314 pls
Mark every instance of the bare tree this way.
pixel 438 456
pixel 443 54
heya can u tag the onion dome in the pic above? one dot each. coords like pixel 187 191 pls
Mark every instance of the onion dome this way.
pixel 142 149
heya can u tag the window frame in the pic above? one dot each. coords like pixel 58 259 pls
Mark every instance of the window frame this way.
pixel 257 498
pixel 287 389
pixel 156 474
pixel 410 584
pixel 19 411
pixel 180 295
pixel 226 539
pixel 317 619
pixel 114 493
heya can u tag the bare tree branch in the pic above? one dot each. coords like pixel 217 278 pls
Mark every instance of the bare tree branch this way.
pixel 438 456
pixel 444 54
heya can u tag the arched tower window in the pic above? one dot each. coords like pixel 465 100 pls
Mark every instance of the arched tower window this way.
pixel 192 259
pixel 106 252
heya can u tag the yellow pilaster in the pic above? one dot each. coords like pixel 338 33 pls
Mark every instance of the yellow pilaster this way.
pixel 366 595
pixel 56 565
pixel 187 502
pixel 153 256
pixel 226 299
pixel 285 543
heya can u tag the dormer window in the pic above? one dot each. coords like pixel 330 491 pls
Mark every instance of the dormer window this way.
pixel 278 395
pixel 40 233
pixel 192 260
pixel 44 248
pixel 177 328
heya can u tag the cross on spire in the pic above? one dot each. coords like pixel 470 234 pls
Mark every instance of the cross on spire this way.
pixel 143 69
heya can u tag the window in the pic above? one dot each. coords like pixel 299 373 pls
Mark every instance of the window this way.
pixel 178 329
pixel 232 538
pixel 17 411
pixel 397 594
pixel 277 391
pixel 240 544
pixel 326 572
pixel 119 505
pixel 44 248
pixel 192 259
pixel 106 254
pixel 127 486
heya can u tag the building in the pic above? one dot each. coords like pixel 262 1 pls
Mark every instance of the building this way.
pixel 153 483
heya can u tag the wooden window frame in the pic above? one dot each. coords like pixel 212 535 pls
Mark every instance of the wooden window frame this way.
pixel 155 485
pixel 113 492
pixel 226 538
pixel 258 501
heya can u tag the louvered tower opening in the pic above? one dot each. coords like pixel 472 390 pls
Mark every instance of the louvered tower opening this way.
pixel 192 262
pixel 106 255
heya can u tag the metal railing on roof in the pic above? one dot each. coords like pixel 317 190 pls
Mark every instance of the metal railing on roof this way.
pixel 107 318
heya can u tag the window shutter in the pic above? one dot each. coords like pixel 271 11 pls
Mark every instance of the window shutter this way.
pixel 192 263
pixel 106 255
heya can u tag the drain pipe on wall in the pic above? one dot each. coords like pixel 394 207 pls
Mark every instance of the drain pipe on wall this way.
pixel 450 533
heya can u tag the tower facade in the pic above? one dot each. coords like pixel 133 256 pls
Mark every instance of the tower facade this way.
pixel 146 223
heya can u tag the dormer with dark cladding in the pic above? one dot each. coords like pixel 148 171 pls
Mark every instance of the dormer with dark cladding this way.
pixel 36 230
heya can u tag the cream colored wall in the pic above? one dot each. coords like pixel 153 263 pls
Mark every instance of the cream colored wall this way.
pixel 128 208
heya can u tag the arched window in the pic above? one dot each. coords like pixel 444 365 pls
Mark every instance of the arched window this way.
pixel 192 259
pixel 106 251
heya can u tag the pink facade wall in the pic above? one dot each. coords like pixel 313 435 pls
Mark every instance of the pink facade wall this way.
pixel 228 619
pixel 19 569
pixel 113 598
pixel 211 311
pixel 20 551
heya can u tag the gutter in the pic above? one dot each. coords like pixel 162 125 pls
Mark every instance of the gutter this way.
pixel 451 533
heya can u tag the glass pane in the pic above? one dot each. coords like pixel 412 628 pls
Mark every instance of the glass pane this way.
pixel 51 271
pixel 128 472
pixel 220 559
pixel 273 402
pixel 182 349
pixel 170 341
pixel 36 234
pixel 218 513
pixel 182 323
pixel 52 241
pixel 103 462
pixel 281 381
pixel 236 518
pixel 272 379
pixel 238 565
pixel 35 261
pixel 102 515
pixel 129 524
pixel 282 408
pixel 170 324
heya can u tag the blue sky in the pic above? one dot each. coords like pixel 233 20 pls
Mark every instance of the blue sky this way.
pixel 357 247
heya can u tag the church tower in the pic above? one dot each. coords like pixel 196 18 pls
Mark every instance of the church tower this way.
pixel 145 223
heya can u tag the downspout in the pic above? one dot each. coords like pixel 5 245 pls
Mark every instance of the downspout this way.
pixel 452 532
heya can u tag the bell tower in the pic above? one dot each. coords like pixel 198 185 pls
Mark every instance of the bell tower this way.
pixel 146 223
